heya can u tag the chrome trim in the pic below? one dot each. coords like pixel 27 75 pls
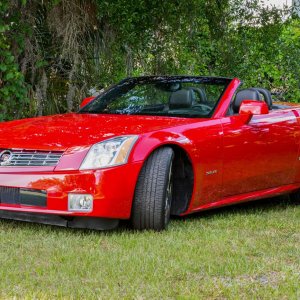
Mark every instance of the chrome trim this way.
pixel 8 160
pixel 31 158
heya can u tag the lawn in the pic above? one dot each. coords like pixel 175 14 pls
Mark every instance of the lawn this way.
pixel 249 251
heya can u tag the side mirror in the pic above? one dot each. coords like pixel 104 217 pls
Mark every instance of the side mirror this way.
pixel 87 100
pixel 252 107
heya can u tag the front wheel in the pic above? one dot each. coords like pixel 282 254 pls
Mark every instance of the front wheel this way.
pixel 153 194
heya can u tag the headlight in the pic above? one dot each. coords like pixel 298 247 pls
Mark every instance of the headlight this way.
pixel 109 153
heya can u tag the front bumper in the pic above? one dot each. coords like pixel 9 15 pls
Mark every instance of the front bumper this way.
pixel 112 189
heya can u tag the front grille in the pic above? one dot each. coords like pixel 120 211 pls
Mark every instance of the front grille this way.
pixel 34 158
pixel 23 196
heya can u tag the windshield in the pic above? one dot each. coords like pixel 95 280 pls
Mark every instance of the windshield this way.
pixel 161 96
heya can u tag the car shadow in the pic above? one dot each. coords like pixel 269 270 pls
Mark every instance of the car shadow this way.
pixel 253 207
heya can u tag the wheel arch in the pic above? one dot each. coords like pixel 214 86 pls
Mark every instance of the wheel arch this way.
pixel 183 176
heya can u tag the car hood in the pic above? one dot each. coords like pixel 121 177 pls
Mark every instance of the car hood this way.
pixel 59 132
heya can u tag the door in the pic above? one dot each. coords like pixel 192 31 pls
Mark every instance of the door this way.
pixel 260 154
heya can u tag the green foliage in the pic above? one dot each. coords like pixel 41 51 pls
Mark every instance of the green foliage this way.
pixel 65 48
pixel 289 59
pixel 12 87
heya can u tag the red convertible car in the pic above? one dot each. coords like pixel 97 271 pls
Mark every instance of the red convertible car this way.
pixel 148 148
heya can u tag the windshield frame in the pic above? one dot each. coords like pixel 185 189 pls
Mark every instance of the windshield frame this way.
pixel 168 79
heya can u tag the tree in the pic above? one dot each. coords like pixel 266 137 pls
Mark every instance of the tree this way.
pixel 58 50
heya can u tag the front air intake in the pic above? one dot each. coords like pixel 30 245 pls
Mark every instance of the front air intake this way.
pixel 23 196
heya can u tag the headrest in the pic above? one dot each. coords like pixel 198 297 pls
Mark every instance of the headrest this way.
pixel 200 93
pixel 181 99
pixel 267 96
pixel 247 94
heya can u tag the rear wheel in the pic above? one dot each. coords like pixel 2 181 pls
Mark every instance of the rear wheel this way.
pixel 153 194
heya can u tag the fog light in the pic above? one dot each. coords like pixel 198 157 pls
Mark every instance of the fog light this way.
pixel 80 202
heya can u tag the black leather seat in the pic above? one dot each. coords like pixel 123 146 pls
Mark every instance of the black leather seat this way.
pixel 181 99
pixel 247 94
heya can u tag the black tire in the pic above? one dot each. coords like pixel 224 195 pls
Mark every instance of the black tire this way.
pixel 153 194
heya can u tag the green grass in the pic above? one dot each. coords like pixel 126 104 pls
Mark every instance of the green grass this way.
pixel 242 252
